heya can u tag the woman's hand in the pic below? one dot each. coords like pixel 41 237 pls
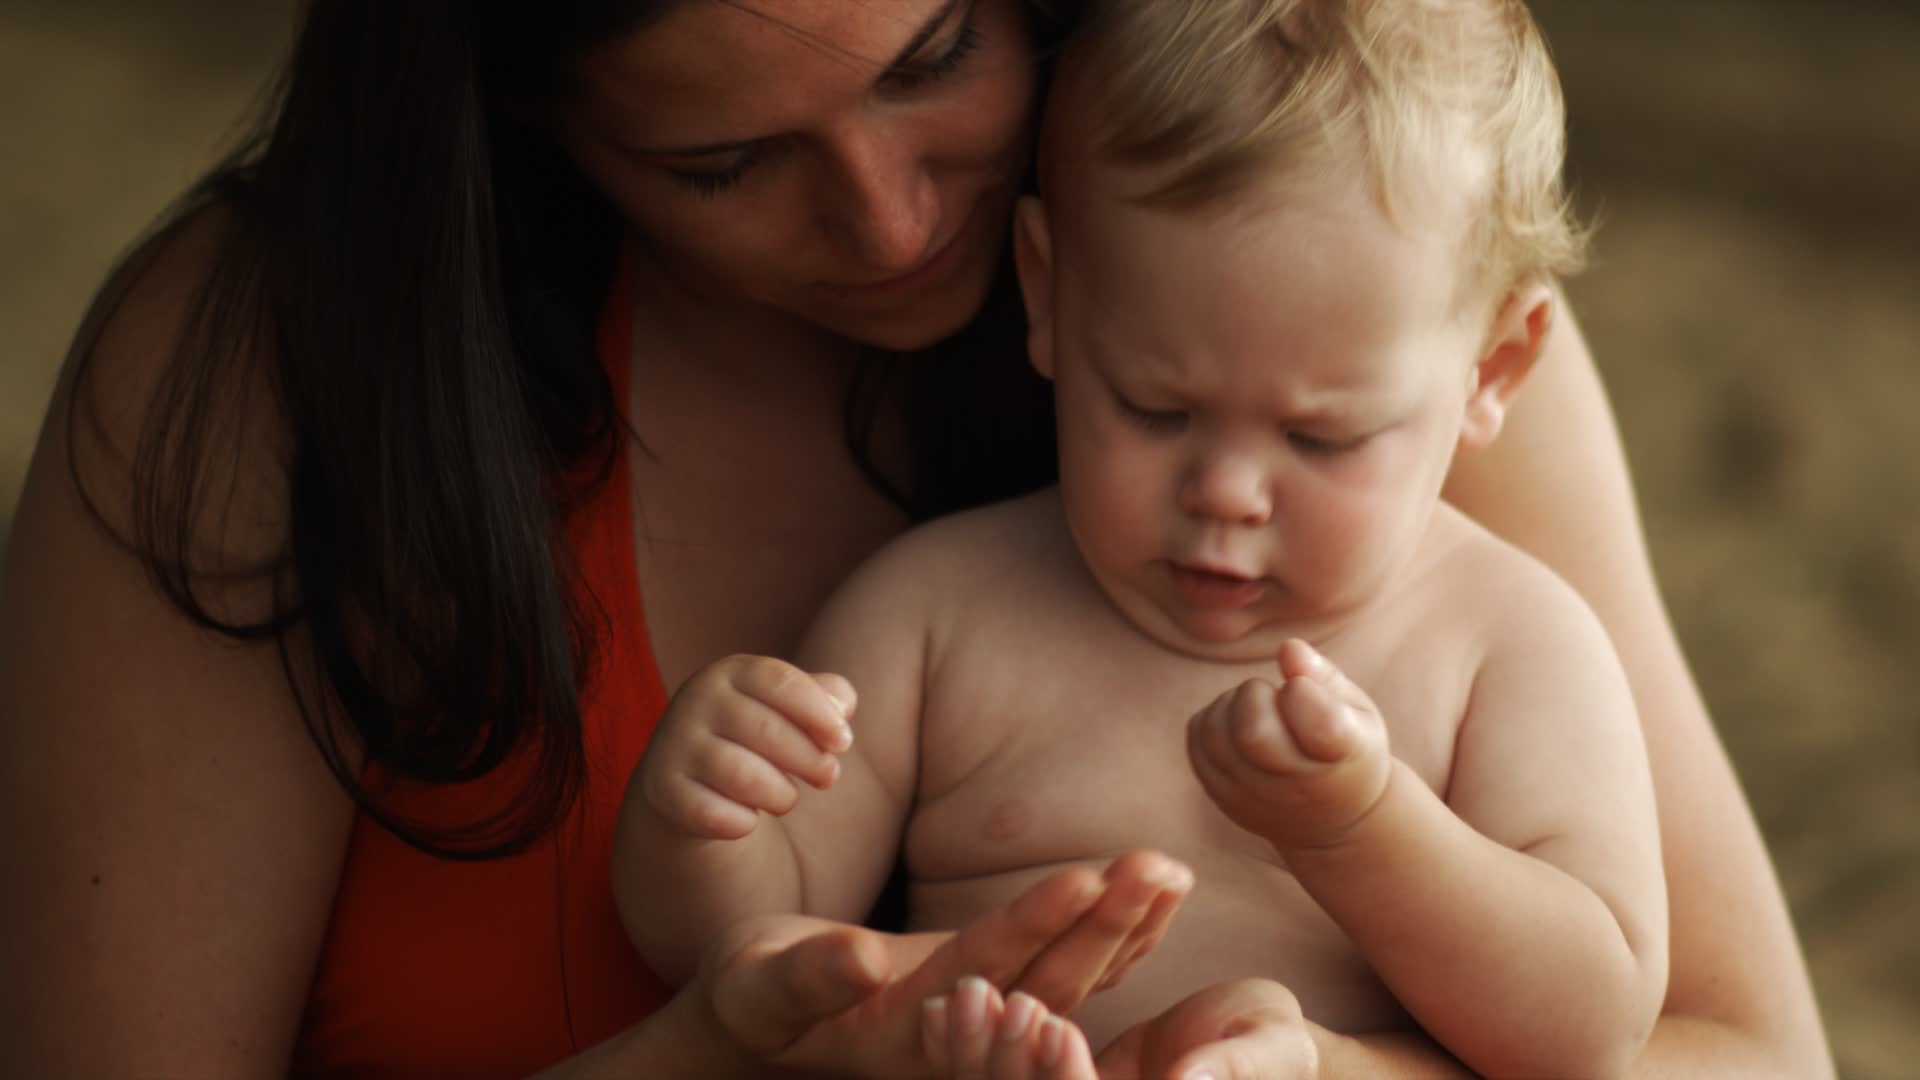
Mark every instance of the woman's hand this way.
pixel 1245 1030
pixel 825 997
pixel 1250 1029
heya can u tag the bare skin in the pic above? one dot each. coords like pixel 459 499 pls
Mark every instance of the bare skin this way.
pixel 246 812
pixel 1739 1003
pixel 141 752
pixel 1446 789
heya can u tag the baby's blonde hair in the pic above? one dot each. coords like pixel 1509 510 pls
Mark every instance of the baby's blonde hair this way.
pixel 1220 95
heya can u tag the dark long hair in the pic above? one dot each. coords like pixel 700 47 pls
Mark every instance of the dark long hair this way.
pixel 421 275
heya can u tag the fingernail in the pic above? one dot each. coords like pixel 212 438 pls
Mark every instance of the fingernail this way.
pixel 935 1021
pixel 1168 875
pixel 1203 1074
pixel 1020 1010
pixel 1089 890
pixel 970 1005
pixel 1053 1040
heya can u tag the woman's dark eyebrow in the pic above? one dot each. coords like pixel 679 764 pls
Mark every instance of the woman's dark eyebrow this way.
pixel 913 46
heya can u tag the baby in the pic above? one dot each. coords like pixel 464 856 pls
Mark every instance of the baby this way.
pixel 1292 256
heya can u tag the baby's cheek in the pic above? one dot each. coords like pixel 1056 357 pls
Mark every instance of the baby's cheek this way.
pixel 1350 540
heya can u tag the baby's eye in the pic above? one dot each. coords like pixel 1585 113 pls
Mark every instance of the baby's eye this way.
pixel 1323 445
pixel 1154 421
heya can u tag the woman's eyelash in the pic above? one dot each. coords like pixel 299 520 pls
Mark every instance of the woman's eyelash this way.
pixel 940 66
pixel 707 183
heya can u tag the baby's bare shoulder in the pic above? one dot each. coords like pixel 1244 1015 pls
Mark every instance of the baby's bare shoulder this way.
pixel 1017 540
pixel 1521 613
pixel 1516 600
pixel 944 571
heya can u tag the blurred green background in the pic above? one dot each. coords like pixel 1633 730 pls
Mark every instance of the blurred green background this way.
pixel 1754 300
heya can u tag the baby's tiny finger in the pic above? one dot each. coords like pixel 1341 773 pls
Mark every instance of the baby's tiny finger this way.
pixel 976 1010
pixel 1254 730
pixel 1324 728
pixel 704 812
pixel 801 699
pixel 841 691
pixel 1301 660
pixel 1012 1055
pixel 1063 1052
pixel 765 731
pixel 738 773
pixel 936 1027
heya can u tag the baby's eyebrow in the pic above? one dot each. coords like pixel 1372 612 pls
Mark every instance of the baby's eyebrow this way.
pixel 914 44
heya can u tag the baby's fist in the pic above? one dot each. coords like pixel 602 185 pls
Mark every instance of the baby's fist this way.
pixel 1300 764
pixel 735 740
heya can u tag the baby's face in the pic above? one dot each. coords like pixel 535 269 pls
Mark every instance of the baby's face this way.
pixel 1257 409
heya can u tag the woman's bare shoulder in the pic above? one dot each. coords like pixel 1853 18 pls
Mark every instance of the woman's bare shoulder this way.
pixel 159 792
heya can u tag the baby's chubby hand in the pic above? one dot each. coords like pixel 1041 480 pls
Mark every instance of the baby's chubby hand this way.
pixel 736 738
pixel 1300 764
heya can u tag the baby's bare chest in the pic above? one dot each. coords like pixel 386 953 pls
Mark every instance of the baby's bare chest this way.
pixel 1056 755
pixel 1050 753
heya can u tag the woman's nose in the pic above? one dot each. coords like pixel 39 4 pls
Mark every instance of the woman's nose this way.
pixel 890 206
pixel 1230 488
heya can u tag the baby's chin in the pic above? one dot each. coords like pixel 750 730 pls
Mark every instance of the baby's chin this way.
pixel 1230 638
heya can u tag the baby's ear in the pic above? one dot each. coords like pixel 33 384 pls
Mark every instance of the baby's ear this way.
pixel 1514 339
pixel 1033 260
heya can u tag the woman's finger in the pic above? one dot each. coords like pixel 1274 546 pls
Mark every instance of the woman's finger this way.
pixel 776 978
pixel 1146 936
pixel 1248 1029
pixel 1132 912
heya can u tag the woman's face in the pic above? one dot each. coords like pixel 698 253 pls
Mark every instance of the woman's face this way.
pixel 847 163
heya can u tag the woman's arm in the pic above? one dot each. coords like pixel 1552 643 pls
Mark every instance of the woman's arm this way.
pixel 171 835
pixel 1738 1002
pixel 173 838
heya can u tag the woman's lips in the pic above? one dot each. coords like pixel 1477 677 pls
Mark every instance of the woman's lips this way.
pixel 1202 586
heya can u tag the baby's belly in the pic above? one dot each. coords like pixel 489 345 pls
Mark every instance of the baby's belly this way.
pixel 1247 917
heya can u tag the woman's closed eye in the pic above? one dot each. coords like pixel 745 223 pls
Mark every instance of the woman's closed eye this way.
pixel 707 183
pixel 921 72
pixel 906 77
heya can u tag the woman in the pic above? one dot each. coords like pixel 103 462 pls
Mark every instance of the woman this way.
pixel 339 463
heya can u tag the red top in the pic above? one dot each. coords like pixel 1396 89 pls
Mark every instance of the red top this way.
pixel 437 968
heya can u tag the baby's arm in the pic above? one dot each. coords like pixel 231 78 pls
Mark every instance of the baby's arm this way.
pixel 1522 922
pixel 715 826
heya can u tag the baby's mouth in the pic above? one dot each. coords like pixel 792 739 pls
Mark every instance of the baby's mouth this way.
pixel 1215 586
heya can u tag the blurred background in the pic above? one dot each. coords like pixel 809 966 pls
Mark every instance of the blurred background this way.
pixel 1754 301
